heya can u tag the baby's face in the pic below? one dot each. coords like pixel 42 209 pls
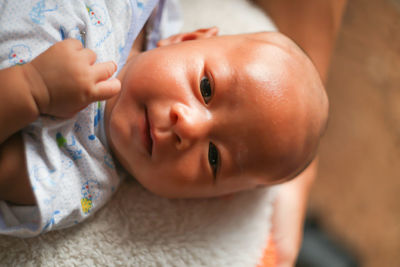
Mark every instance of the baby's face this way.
pixel 209 117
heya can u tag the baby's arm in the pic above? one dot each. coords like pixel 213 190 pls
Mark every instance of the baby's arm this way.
pixel 17 105
pixel 59 82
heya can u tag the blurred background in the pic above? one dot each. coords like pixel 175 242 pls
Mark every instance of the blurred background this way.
pixel 356 197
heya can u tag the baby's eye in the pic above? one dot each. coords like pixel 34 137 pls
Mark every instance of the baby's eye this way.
pixel 205 89
pixel 213 159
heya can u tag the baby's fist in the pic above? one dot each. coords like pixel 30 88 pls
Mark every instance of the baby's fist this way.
pixel 65 79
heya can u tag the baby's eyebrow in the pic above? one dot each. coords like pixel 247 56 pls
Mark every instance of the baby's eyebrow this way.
pixel 241 149
pixel 231 162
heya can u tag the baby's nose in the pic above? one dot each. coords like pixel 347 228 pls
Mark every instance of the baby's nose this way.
pixel 190 124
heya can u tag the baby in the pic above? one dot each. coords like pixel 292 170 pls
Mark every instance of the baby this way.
pixel 205 116
pixel 200 116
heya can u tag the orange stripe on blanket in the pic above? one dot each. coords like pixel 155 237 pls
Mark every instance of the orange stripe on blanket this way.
pixel 269 257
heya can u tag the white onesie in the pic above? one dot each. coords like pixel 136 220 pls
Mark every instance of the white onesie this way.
pixel 70 167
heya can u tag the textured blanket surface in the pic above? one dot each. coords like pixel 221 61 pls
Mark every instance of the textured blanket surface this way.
pixel 139 229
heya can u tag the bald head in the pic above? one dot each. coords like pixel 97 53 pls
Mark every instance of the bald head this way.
pixel 292 104
pixel 217 115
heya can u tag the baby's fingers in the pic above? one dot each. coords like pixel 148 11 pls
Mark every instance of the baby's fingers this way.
pixel 107 89
pixel 104 70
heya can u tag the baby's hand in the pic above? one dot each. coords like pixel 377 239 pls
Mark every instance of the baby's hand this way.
pixel 65 79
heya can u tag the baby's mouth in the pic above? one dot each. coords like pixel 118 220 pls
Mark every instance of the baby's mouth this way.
pixel 147 133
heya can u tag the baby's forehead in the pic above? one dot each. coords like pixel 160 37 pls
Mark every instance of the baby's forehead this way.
pixel 268 111
pixel 261 161
pixel 264 135
pixel 249 165
pixel 252 144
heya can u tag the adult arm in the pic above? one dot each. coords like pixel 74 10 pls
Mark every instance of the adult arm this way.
pixel 289 212
pixel 312 24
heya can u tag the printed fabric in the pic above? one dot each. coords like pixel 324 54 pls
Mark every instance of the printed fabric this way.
pixel 70 167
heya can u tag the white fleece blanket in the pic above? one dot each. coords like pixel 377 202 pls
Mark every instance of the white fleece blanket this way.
pixel 139 229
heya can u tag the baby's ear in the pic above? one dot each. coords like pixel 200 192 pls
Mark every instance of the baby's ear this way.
pixel 182 37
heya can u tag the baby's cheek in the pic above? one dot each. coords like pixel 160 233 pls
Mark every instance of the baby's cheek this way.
pixel 180 171
pixel 188 170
